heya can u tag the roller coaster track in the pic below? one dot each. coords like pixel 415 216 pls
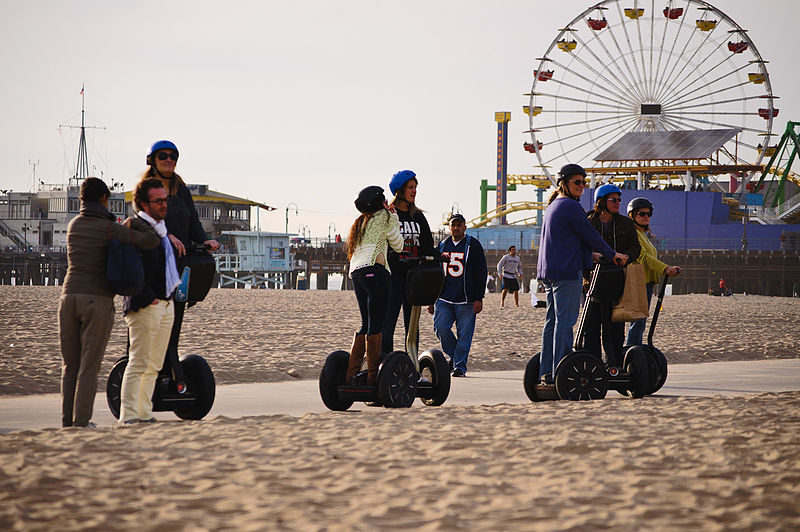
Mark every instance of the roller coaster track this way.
pixel 508 208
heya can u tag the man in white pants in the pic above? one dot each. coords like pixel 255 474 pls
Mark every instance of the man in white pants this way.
pixel 150 313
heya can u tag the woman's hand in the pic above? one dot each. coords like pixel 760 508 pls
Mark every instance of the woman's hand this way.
pixel 596 257
pixel 177 244
pixel 620 259
pixel 212 244
pixel 672 271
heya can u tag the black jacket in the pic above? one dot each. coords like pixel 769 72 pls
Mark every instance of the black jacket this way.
pixel 417 242
pixel 622 237
pixel 154 262
pixel 182 220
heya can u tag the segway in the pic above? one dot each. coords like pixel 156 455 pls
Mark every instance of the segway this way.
pixel 657 362
pixel 582 374
pixel 402 375
pixel 185 384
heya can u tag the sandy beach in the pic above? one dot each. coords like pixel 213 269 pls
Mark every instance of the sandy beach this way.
pixel 273 335
pixel 660 463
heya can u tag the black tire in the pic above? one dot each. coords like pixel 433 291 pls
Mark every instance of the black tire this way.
pixel 637 363
pixel 397 381
pixel 200 382
pixel 581 376
pixel 114 386
pixel 531 377
pixel 433 365
pixel 332 375
pixel 661 364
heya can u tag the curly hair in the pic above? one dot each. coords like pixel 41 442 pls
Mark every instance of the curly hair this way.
pixel 142 192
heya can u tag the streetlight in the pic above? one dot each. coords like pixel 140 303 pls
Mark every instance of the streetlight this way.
pixel 286 230
pixel 302 228
pixel 329 230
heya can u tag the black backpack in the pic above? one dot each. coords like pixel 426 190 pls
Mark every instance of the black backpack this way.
pixel 124 269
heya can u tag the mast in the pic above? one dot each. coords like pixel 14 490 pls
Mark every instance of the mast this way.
pixel 82 164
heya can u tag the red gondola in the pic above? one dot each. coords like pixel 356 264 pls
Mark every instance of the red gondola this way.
pixel 673 12
pixel 737 47
pixel 543 75
pixel 596 24
pixel 765 114
pixel 529 146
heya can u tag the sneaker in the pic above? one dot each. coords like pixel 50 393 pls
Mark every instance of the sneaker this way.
pixel 151 420
pixel 132 421
pixel 546 379
pixel 458 373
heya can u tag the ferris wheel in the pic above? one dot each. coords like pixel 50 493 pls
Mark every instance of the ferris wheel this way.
pixel 628 65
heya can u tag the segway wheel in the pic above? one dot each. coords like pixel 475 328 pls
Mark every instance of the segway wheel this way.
pixel 397 381
pixel 200 382
pixel 661 367
pixel 114 386
pixel 581 376
pixel 637 364
pixel 434 367
pixel 531 377
pixel 332 375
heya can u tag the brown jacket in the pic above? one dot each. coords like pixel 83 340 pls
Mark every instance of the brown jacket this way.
pixel 87 249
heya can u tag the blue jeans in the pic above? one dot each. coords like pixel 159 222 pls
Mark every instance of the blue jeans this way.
pixel 563 302
pixel 456 347
pixel 636 330
pixel 371 285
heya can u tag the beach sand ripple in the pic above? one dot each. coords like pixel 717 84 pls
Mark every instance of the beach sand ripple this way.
pixel 661 463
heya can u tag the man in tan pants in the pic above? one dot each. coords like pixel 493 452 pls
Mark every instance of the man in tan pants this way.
pixel 150 313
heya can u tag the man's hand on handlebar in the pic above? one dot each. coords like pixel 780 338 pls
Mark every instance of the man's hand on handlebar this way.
pixel 620 259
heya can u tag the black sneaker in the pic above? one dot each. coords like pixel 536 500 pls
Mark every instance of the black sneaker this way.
pixel 458 373
pixel 546 379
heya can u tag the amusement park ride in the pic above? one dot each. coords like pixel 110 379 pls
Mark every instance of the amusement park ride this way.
pixel 654 95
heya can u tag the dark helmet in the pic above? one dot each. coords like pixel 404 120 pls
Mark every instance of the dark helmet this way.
pixel 570 169
pixel 160 145
pixel 370 199
pixel 637 203
pixel 399 179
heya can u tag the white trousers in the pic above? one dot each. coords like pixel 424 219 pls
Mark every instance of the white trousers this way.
pixel 149 330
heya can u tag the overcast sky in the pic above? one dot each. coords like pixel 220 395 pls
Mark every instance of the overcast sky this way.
pixel 302 101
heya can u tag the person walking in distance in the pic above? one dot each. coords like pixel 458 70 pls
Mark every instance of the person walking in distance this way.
pixel 148 314
pixel 509 270
pixel 461 299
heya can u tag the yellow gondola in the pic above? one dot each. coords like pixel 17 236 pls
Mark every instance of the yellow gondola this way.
pixel 566 46
pixel 756 77
pixel 706 25
pixel 634 12
pixel 532 111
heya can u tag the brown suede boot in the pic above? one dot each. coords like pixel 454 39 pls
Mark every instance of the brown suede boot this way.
pixel 356 356
pixel 373 358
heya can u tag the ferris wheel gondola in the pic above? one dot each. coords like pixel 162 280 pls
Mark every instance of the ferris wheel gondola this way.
pixel 627 65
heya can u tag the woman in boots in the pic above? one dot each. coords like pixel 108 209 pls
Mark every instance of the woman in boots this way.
pixel 370 236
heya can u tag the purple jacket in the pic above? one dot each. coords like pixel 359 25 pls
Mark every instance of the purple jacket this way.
pixel 567 242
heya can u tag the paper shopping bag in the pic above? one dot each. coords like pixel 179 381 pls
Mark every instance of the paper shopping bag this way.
pixel 633 303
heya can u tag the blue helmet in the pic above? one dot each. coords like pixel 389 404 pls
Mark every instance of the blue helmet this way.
pixel 160 145
pixel 604 190
pixel 399 179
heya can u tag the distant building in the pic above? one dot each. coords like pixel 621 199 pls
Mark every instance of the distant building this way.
pixel 40 218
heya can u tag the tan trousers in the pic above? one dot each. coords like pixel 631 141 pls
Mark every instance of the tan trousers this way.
pixel 149 330
pixel 84 326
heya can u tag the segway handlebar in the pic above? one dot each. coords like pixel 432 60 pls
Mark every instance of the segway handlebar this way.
pixel 426 258
pixel 198 247
pixel 661 291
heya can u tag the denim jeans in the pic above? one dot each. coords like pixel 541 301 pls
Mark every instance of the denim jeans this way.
pixel 371 285
pixel 636 330
pixel 455 346
pixel 563 302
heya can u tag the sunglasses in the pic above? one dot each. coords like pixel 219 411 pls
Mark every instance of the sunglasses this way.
pixel 644 213
pixel 614 200
pixel 579 182
pixel 164 155
pixel 159 201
